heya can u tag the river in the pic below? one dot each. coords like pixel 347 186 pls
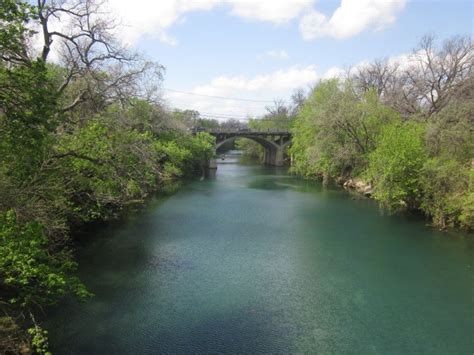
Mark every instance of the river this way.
pixel 256 260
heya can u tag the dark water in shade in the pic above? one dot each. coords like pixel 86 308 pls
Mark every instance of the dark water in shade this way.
pixel 255 260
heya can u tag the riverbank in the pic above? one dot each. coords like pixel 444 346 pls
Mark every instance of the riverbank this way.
pixel 87 187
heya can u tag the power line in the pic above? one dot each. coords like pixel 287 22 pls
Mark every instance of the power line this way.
pixel 219 115
pixel 223 115
pixel 226 116
pixel 218 97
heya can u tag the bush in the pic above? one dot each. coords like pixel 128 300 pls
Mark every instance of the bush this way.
pixel 395 165
pixel 32 275
pixel 448 195
pixel 336 130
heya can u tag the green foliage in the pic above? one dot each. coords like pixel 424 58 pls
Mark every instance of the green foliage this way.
pixel 336 130
pixel 28 117
pixel 339 134
pixel 250 148
pixel 207 123
pixel 278 117
pixel 14 18
pixel 64 164
pixel 108 166
pixel 184 155
pixel 30 273
pixel 39 340
pixel 202 148
pixel 448 192
pixel 450 132
pixel 395 165
pixel 105 168
pixel 64 167
pixel 275 121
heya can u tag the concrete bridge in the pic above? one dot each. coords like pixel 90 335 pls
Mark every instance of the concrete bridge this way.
pixel 274 141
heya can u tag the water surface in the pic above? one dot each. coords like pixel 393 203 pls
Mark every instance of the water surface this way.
pixel 256 260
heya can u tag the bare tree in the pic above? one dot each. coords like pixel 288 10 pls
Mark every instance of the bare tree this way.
pixel 298 99
pixel 91 56
pixel 232 123
pixel 380 75
pixel 277 109
pixel 436 73
pixel 426 82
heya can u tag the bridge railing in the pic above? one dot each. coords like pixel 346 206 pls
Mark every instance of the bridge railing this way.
pixel 240 130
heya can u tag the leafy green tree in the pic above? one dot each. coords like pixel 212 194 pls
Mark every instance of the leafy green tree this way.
pixel 250 148
pixel 447 176
pixel 448 192
pixel 335 130
pixel 30 275
pixel 449 132
pixel 14 19
pixel 27 119
pixel 78 142
pixel 396 163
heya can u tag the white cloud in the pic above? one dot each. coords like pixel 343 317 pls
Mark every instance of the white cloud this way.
pixel 274 54
pixel 143 17
pixel 279 80
pixel 351 18
pixel 277 84
pixel 334 72
pixel 275 11
pixel 403 62
pixel 154 18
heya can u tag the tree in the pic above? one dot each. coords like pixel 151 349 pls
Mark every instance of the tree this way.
pixel 395 165
pixel 15 16
pixel 379 75
pixel 94 65
pixel 232 123
pixel 423 82
pixel 448 192
pixel 450 131
pixel 80 138
pixel 435 73
pixel 335 131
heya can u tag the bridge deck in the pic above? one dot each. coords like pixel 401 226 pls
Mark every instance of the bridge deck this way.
pixel 244 132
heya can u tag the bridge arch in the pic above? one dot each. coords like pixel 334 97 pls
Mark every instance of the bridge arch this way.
pixel 267 144
pixel 274 141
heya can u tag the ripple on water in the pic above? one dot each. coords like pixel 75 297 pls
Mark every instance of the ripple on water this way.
pixel 257 261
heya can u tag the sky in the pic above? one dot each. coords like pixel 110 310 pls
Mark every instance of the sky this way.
pixel 245 54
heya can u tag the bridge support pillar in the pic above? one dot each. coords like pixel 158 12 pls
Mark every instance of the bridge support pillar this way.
pixel 273 156
pixel 268 156
pixel 278 157
pixel 212 164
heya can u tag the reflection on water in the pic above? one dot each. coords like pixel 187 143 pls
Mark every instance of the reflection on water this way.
pixel 256 260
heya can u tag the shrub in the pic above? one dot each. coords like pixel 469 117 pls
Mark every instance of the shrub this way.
pixel 31 274
pixel 395 164
pixel 448 196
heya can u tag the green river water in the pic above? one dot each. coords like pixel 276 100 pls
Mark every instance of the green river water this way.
pixel 254 260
